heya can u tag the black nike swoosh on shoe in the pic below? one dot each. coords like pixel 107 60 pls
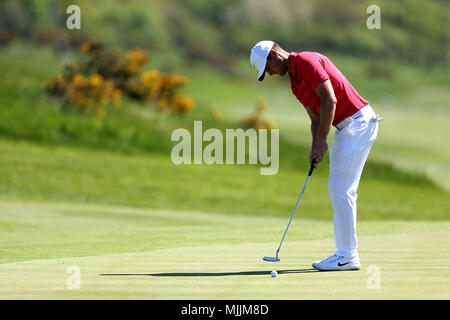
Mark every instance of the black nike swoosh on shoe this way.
pixel 343 264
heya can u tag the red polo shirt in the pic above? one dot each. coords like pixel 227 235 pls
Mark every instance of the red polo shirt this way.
pixel 309 69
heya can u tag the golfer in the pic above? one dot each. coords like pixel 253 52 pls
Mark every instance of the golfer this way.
pixel 329 99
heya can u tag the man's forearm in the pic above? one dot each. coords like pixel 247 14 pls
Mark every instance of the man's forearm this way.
pixel 327 109
pixel 314 129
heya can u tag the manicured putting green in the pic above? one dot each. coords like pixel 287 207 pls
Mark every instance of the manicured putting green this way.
pixel 210 256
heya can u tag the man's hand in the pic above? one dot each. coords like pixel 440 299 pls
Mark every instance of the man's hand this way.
pixel 318 151
pixel 312 161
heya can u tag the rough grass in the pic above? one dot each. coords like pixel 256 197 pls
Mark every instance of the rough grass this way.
pixel 63 174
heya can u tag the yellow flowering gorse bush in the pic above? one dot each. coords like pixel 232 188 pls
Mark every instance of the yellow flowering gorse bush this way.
pixel 102 77
pixel 255 119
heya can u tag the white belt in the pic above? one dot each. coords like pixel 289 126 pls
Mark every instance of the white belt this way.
pixel 367 110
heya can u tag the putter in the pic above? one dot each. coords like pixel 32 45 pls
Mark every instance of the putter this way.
pixel 275 259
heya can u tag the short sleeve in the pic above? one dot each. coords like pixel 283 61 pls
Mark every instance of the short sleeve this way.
pixel 312 70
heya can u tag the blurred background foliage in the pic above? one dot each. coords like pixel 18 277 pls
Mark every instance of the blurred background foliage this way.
pixel 218 31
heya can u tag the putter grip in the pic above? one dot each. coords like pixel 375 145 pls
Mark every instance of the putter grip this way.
pixel 312 167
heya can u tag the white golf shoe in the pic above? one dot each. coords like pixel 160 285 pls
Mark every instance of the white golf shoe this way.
pixel 337 262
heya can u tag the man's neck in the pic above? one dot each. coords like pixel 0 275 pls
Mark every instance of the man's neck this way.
pixel 289 66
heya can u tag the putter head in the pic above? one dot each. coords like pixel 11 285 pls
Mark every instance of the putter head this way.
pixel 271 259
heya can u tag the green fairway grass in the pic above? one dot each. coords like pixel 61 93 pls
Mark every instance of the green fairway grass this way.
pixel 128 253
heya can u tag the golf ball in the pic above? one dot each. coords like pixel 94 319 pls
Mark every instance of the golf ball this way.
pixel 274 274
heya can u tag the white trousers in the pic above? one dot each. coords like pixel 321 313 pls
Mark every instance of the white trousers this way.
pixel 348 155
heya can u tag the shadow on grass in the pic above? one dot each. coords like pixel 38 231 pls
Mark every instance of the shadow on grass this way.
pixel 209 274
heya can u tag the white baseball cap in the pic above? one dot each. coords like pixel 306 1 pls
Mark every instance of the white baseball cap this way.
pixel 258 56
